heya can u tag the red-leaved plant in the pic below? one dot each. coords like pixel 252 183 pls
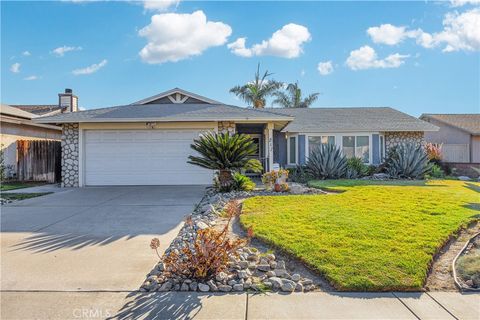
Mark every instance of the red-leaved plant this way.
pixel 434 152
pixel 209 253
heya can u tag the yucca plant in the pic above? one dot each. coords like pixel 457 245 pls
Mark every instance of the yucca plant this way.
pixel 327 162
pixel 356 168
pixel 226 153
pixel 242 182
pixel 408 161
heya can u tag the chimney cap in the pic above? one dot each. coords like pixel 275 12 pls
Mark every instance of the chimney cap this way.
pixel 67 90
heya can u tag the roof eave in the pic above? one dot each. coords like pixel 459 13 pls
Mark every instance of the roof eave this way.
pixel 126 120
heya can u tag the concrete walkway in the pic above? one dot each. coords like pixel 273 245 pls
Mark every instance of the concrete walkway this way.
pixel 177 305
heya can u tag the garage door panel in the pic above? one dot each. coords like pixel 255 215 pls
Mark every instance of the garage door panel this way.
pixel 141 157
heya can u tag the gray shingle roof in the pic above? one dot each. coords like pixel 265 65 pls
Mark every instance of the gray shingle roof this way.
pixel 165 112
pixel 38 109
pixel 466 122
pixel 351 120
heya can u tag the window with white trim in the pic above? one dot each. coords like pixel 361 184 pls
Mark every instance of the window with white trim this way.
pixel 356 146
pixel 292 150
pixel 314 142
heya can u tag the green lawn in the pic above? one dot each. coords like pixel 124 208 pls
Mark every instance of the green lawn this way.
pixel 6 186
pixel 22 196
pixel 375 236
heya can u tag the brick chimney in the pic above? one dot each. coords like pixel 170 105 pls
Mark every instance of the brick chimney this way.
pixel 68 101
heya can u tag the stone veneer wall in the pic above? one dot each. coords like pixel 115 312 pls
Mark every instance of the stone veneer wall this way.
pixel 70 162
pixel 395 138
pixel 226 126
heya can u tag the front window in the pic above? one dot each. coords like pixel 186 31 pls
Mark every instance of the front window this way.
pixel 357 146
pixel 316 141
pixel 349 146
pixel 292 151
pixel 362 149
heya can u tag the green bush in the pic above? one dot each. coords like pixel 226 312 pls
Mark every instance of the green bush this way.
pixel 408 161
pixel 436 172
pixel 298 174
pixel 356 168
pixel 468 266
pixel 242 183
pixel 327 162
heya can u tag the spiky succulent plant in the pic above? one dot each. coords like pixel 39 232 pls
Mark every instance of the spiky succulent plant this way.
pixel 408 161
pixel 327 162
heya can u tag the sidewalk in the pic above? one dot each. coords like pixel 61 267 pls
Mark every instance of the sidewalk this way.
pixel 176 305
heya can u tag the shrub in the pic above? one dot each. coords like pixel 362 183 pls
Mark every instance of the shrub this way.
pixel 468 267
pixel 209 253
pixel 327 162
pixel 434 152
pixel 408 161
pixel 225 153
pixel 436 172
pixel 242 183
pixel 298 174
pixel 356 168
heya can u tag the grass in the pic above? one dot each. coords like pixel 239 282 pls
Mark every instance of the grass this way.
pixel 375 236
pixel 6 186
pixel 22 196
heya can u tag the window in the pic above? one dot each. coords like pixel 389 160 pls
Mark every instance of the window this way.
pixel 292 152
pixel 316 141
pixel 349 146
pixel 357 146
pixel 363 149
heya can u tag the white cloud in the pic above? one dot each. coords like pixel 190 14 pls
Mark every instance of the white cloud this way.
pixel 15 68
pixel 26 53
pixel 325 68
pixel 461 31
pixel 286 43
pixel 390 34
pixel 30 78
pixel 90 69
pixel 174 36
pixel 60 51
pixel 160 5
pixel 366 58
pixel 460 3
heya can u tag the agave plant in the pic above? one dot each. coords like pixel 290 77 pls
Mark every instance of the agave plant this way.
pixel 327 162
pixel 225 153
pixel 256 92
pixel 408 161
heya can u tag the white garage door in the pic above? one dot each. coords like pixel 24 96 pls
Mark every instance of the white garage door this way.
pixel 141 157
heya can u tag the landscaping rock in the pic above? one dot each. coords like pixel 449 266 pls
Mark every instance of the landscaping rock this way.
pixel 263 267
pixel 270 274
pixel 288 285
pixel 280 272
pixel 184 287
pixel 299 287
pixel 193 286
pixel 224 288
pixel 167 286
pixel 242 274
pixel 212 285
pixel 464 178
pixel 222 276
pixel 238 287
pixel 203 287
pixel 276 282
pixel 295 277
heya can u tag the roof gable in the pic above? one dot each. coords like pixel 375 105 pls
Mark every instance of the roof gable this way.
pixel 176 96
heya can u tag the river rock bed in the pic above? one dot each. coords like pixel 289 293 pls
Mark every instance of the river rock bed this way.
pixel 251 270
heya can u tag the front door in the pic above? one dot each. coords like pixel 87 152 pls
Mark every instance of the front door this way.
pixel 257 139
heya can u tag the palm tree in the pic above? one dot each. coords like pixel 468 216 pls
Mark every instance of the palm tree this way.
pixel 255 93
pixel 225 153
pixel 292 98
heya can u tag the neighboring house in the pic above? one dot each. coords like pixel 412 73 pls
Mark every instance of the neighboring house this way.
pixel 16 124
pixel 148 142
pixel 67 102
pixel 459 135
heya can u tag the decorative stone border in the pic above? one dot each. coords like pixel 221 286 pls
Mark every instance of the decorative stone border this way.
pixel 459 283
pixel 250 271
pixel 398 137
pixel 70 134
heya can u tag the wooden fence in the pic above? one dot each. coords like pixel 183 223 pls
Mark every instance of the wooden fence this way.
pixel 39 160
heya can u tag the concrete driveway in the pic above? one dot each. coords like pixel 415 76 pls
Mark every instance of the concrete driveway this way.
pixel 90 239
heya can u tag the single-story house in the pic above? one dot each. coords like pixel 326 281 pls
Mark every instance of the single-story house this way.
pixel 459 135
pixel 16 124
pixel 148 142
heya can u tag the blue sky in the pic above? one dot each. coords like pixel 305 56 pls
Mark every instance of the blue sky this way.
pixel 418 57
